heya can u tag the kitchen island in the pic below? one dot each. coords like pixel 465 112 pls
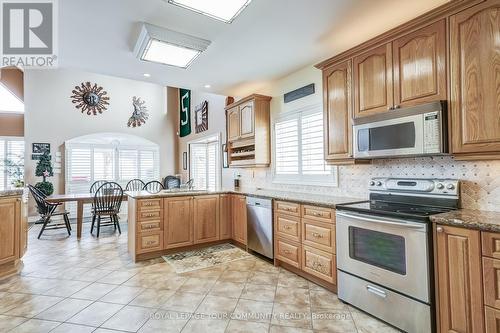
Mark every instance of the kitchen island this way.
pixel 171 221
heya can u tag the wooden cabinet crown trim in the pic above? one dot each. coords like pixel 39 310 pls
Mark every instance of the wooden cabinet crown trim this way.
pixel 421 21
pixel 248 98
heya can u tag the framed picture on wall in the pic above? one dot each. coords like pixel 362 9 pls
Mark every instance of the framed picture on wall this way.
pixel 225 162
pixel 41 148
pixel 184 161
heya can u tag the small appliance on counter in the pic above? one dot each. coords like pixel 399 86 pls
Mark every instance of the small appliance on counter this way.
pixel 384 250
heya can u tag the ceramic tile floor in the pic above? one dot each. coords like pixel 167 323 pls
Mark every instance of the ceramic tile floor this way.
pixel 93 286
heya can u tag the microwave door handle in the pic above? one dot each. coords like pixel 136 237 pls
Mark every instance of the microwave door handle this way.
pixel 387 221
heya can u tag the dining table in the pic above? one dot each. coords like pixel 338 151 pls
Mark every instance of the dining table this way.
pixel 80 199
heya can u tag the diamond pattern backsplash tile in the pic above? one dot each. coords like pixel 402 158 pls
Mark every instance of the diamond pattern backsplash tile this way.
pixel 480 180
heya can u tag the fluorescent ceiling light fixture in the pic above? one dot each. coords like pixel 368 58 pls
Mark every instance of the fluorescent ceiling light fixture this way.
pixel 223 10
pixel 9 102
pixel 164 46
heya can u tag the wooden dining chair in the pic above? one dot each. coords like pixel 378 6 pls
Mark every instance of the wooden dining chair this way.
pixel 96 185
pixel 48 210
pixel 153 186
pixel 107 202
pixel 135 185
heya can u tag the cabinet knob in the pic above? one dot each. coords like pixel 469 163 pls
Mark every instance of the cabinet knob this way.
pixel 439 229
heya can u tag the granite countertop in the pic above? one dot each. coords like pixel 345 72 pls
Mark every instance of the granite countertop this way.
pixel 11 193
pixel 303 198
pixel 468 218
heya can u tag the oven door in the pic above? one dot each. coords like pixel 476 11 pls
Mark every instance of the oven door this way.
pixel 391 252
pixel 392 137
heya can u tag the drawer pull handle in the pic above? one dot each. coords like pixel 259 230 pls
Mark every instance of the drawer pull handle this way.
pixel 150 215
pixel 318 214
pixel 287 227
pixel 150 242
pixel 287 251
pixel 315 234
pixel 150 226
pixel 376 291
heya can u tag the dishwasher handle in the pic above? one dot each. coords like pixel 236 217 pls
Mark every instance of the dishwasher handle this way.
pixel 259 202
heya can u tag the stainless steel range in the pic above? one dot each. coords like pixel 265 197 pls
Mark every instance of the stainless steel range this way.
pixel 384 249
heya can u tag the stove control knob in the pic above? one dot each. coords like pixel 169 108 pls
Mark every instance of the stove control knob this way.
pixel 372 183
pixel 450 187
pixel 439 186
pixel 379 183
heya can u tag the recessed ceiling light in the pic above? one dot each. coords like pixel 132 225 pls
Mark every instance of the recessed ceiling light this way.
pixel 207 86
pixel 223 10
pixel 168 47
pixel 146 75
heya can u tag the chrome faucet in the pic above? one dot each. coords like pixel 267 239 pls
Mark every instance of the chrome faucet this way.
pixel 189 184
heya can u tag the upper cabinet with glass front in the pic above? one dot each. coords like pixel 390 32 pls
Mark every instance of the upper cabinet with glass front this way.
pixel 248 131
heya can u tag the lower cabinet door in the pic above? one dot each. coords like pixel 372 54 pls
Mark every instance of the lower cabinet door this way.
pixel 288 252
pixel 239 215
pixel 319 263
pixel 9 232
pixel 492 320
pixel 206 219
pixel 225 221
pixel 149 242
pixel 178 222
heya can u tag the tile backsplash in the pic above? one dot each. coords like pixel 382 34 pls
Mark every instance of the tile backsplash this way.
pixel 480 180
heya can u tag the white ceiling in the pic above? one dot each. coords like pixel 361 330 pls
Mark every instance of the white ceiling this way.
pixel 270 39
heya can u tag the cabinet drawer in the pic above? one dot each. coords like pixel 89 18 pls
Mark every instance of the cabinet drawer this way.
pixel 491 244
pixel 149 242
pixel 318 213
pixel 319 263
pixel 491 280
pixel 288 208
pixel 149 215
pixel 492 317
pixel 319 235
pixel 288 252
pixel 149 226
pixel 288 226
pixel 150 204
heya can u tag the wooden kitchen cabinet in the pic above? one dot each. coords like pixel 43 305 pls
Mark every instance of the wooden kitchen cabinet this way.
pixel 206 218
pixel 10 220
pixel 248 132
pixel 475 80
pixel 247 120
pixel 239 215
pixel 373 81
pixel 491 280
pixel 178 222
pixel 337 111
pixel 420 66
pixel 492 320
pixel 233 124
pixel 225 219
pixel 459 282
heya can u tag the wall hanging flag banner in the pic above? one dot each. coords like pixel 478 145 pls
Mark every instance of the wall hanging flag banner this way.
pixel 185 109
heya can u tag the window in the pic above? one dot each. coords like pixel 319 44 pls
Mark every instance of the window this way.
pixel 204 166
pixel 9 102
pixel 87 163
pixel 11 162
pixel 298 148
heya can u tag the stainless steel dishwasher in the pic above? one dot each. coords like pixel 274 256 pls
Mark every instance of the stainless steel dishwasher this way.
pixel 260 226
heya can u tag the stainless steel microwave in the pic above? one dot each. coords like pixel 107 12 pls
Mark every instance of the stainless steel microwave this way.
pixel 413 131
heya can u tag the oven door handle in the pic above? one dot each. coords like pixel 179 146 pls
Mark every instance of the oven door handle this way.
pixel 387 221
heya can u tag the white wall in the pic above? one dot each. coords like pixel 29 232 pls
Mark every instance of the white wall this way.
pixel 216 125
pixel 51 117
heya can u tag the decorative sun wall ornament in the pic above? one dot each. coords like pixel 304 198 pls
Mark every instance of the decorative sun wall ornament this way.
pixel 91 99
pixel 140 114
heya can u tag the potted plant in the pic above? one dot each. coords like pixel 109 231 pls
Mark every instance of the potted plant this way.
pixel 44 169
pixel 15 171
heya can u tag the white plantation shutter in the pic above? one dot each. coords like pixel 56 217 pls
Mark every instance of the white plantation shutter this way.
pixel 212 166
pixel 298 148
pixel 313 162
pixel 287 147
pixel 128 164
pixel 10 149
pixel 104 164
pixel 147 167
pixel 198 168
